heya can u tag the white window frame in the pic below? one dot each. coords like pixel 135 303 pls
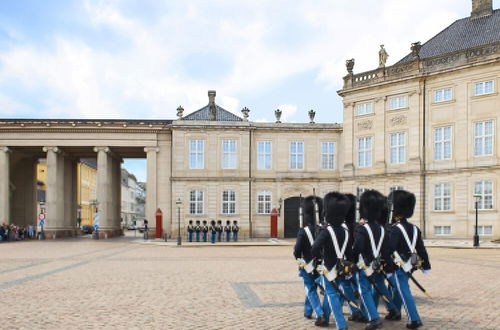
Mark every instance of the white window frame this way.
pixel 442 143
pixel 442 230
pixel 295 155
pixel 364 108
pixel 442 197
pixel 228 204
pixel 480 188
pixel 229 154
pixel 196 154
pixel 264 202
pixel 481 141
pixel 443 95
pixel 399 148
pixel 327 159
pixel 481 230
pixel 366 160
pixel 196 204
pixel 264 158
pixel 484 87
pixel 397 102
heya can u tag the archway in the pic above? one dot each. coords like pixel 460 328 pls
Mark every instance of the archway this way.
pixel 291 217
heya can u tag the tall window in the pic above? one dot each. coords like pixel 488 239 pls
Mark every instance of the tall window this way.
pixel 229 154
pixel 196 202
pixel 398 149
pixel 442 95
pixel 296 155
pixel 485 190
pixel 328 155
pixel 442 143
pixel 264 158
pixel 364 108
pixel 483 138
pixel 365 151
pixel 442 230
pixel 483 87
pixel 228 202
pixel 397 102
pixel 442 197
pixel 264 202
pixel 196 154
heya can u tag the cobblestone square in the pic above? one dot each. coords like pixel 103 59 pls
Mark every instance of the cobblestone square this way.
pixel 118 283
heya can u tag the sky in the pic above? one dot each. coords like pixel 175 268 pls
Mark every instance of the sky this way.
pixel 142 59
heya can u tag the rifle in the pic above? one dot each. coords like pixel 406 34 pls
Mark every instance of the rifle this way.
pixel 390 201
pixel 301 213
pixel 358 196
pixel 316 208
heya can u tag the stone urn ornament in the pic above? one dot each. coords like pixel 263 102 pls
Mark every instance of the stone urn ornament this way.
pixel 277 114
pixel 180 111
pixel 245 111
pixel 312 114
pixel 349 64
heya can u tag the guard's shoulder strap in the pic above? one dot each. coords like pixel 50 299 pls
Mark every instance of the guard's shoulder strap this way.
pixel 309 235
pixel 375 248
pixel 413 243
pixel 340 253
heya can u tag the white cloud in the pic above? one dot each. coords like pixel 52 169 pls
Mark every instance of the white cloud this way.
pixel 288 110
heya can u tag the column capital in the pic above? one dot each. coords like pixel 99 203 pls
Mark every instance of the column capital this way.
pixel 5 149
pixel 105 149
pixel 151 149
pixel 52 148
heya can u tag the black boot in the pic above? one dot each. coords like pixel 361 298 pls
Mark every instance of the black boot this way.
pixel 393 315
pixel 414 324
pixel 375 324
pixel 308 316
pixel 357 317
pixel 320 321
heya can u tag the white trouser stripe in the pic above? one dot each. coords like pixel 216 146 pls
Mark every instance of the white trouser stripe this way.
pixel 330 303
pixel 402 297
pixel 363 300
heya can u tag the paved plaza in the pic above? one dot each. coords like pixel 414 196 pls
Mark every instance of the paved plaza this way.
pixel 118 283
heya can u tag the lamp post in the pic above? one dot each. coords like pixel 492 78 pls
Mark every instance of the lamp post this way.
pixel 476 235
pixel 179 203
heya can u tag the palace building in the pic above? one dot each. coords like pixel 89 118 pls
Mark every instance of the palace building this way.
pixel 427 124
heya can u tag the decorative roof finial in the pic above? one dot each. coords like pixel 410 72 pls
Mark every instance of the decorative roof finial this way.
pixel 245 112
pixel 180 111
pixel 382 57
pixel 349 64
pixel 312 114
pixel 415 49
pixel 277 114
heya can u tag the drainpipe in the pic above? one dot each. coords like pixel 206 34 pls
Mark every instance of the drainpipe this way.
pixel 250 163
pixel 424 161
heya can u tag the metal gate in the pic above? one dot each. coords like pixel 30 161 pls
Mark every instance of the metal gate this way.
pixel 291 217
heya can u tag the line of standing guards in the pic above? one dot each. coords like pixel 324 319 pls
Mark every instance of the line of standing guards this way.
pixel 200 231
pixel 360 263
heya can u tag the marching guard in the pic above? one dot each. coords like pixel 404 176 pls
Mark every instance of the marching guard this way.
pixel 302 253
pixel 367 250
pixel 333 242
pixel 408 251
pixel 227 230
pixel 197 230
pixel 219 230
pixel 213 231
pixel 235 229
pixel 204 230
pixel 190 230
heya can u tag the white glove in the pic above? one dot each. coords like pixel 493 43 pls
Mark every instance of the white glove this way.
pixel 426 271
pixel 389 275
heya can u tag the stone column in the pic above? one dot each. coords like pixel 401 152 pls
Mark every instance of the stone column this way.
pixel 55 219
pixel 4 185
pixel 23 197
pixel 151 186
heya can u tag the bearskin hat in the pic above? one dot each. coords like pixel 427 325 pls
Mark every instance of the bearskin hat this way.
pixel 309 216
pixel 350 218
pixel 403 203
pixel 336 207
pixel 384 214
pixel 370 205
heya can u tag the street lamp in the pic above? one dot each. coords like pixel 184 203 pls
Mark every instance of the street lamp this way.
pixel 179 203
pixel 476 235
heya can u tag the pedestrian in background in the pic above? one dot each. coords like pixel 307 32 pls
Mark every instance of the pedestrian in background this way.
pixel 146 234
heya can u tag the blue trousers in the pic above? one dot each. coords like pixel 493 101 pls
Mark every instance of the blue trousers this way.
pixel 311 302
pixel 228 236
pixel 219 236
pixel 379 280
pixel 365 293
pixel 235 236
pixel 190 236
pixel 347 289
pixel 212 237
pixel 197 236
pixel 332 302
pixel 400 281
pixel 205 234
